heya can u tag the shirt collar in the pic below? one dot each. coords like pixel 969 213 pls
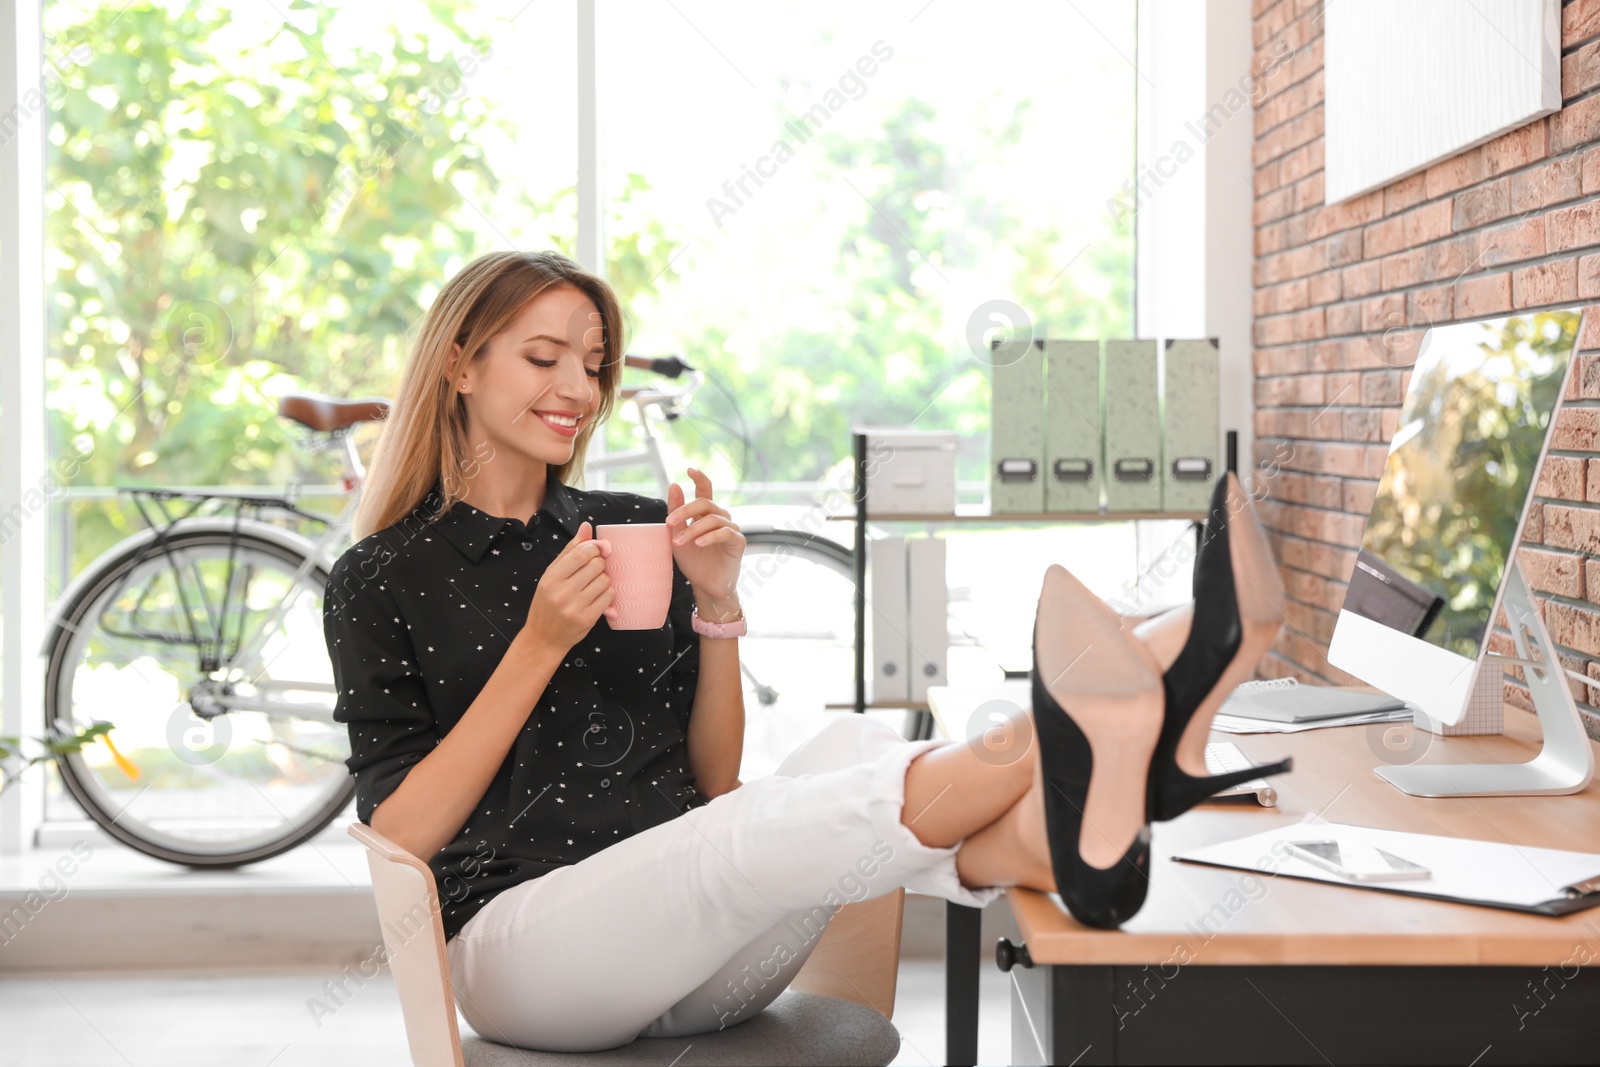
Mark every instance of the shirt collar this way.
pixel 472 531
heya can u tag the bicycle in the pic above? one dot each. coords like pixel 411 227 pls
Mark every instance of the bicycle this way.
pixel 796 587
pixel 204 632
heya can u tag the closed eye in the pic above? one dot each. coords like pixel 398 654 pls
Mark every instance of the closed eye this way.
pixel 592 372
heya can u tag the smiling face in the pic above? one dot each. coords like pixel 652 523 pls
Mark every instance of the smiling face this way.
pixel 536 384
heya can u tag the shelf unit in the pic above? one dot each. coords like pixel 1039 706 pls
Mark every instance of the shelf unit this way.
pixel 961 516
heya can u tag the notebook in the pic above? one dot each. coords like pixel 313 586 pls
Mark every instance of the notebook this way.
pixel 1289 700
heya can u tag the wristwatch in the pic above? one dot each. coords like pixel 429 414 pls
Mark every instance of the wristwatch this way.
pixel 735 628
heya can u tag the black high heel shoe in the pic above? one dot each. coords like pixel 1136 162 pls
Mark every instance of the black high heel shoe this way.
pixel 1238 610
pixel 1098 723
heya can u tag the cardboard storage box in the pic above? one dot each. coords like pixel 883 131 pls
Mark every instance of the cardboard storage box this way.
pixel 1016 428
pixel 1191 424
pixel 910 471
pixel 1133 426
pixel 1074 456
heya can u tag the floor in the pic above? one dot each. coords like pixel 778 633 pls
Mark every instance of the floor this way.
pixel 270 1021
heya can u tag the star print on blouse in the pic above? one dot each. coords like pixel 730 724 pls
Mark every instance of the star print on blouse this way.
pixel 406 673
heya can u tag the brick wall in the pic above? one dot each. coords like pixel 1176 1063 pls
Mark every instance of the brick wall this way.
pixel 1343 294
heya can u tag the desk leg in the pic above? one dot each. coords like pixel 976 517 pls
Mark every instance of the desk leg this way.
pixel 963 934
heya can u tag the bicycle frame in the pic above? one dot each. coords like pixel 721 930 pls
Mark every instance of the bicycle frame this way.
pixel 672 403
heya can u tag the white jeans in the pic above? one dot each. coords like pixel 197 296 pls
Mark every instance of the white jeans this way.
pixel 702 921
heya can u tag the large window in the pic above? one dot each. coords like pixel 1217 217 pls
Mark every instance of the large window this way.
pixel 830 207
pixel 853 192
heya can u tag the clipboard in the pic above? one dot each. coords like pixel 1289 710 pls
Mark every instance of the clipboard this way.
pixel 1490 874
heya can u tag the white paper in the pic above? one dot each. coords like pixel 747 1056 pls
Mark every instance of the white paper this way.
pixel 1238 724
pixel 1464 868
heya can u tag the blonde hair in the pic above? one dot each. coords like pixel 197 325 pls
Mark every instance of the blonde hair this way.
pixel 424 439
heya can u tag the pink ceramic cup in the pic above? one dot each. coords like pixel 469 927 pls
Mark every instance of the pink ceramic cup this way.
pixel 639 564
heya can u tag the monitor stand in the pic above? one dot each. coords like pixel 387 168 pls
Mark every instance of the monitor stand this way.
pixel 1564 765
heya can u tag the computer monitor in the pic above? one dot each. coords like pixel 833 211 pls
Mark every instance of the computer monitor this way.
pixel 1437 561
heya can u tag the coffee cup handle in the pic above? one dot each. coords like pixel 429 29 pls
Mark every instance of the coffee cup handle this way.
pixel 611 613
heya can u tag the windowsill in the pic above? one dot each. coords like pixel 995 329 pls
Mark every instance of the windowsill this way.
pixel 111 869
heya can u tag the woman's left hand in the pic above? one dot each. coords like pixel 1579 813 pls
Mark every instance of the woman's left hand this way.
pixel 706 543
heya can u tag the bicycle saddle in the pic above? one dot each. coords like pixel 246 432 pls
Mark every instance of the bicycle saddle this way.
pixel 326 414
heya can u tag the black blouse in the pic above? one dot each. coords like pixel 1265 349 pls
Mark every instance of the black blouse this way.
pixel 419 615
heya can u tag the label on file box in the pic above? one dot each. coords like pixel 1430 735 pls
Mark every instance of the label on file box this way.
pixel 1019 470
pixel 1135 470
pixel 888 643
pixel 929 608
pixel 1074 470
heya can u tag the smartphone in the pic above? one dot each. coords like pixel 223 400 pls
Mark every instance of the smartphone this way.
pixel 1357 861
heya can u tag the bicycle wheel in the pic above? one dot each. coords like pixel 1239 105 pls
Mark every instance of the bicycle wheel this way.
pixel 798 591
pixel 223 764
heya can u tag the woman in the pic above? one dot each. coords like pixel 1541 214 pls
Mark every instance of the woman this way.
pixel 603 872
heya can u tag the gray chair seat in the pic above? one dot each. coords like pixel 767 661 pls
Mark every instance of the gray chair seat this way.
pixel 798 1029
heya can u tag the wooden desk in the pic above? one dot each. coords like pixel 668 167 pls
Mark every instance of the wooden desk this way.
pixel 1226 966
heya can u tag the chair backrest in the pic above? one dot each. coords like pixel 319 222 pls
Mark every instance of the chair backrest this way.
pixel 858 957
pixel 413 940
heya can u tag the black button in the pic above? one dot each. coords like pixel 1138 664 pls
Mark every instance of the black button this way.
pixel 605 782
pixel 527 546
pixel 578 662
pixel 536 520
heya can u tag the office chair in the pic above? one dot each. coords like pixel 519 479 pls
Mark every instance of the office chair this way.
pixel 835 1011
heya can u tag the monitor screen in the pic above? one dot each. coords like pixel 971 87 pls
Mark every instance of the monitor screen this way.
pixel 1470 436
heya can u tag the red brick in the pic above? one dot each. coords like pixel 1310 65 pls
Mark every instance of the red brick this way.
pixel 1428 306
pixel 1579 21
pixel 1574 227
pixel 1580 71
pixel 1448 260
pixel 1324 288
pixel 1343 319
pixel 1381 388
pixel 1589 333
pixel 1590 161
pixel 1549 183
pixel 1576 124
pixel 1534 529
pixel 1558 573
pixel 1547 283
pixel 1561 478
pixel 1460 170
pixel 1481 204
pixel 1382 312
pixel 1404 269
pixel 1576 430
pixel 1269 238
pixel 1361 279
pixel 1523 239
pixel 1588 375
pixel 1308 194
pixel 1362 425
pixel 1572 626
pixel 1592 485
pixel 1486 295
pixel 1405 193
pixel 1517 148
pixel 1574 528
pixel 1589 277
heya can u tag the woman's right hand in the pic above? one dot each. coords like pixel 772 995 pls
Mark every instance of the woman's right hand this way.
pixel 572 593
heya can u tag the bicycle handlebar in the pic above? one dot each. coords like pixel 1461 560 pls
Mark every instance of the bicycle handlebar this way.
pixel 666 366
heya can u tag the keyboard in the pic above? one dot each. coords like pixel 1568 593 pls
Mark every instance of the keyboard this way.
pixel 1225 756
